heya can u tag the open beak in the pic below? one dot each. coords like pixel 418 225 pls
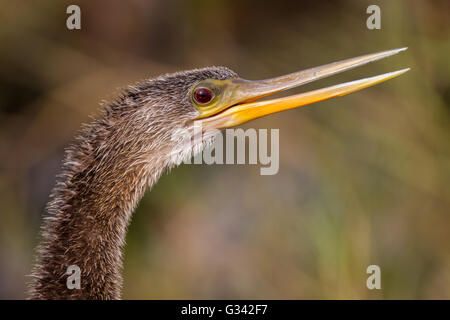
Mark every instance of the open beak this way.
pixel 238 104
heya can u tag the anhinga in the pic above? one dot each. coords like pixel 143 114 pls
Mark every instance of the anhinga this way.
pixel 116 157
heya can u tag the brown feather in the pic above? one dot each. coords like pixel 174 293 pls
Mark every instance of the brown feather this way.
pixel 104 175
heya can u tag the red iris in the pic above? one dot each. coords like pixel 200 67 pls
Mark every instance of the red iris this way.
pixel 203 95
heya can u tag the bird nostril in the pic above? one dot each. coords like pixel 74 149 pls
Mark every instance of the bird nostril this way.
pixel 203 95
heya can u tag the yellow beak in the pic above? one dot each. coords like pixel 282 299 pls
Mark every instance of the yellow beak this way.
pixel 238 104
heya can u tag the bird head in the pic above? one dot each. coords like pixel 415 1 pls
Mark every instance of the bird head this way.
pixel 167 110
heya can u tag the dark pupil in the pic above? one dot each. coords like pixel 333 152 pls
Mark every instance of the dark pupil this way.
pixel 202 95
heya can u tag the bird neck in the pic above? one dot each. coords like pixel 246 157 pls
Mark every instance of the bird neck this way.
pixel 104 176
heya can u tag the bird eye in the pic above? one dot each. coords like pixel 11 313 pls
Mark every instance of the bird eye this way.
pixel 203 95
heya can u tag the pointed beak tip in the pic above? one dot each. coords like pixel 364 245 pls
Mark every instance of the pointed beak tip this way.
pixel 402 71
pixel 249 107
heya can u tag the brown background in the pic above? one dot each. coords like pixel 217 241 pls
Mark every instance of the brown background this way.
pixel 363 179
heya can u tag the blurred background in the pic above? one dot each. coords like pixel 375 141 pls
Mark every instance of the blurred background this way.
pixel 363 179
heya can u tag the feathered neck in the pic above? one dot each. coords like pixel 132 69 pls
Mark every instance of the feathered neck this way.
pixel 105 173
pixel 104 176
